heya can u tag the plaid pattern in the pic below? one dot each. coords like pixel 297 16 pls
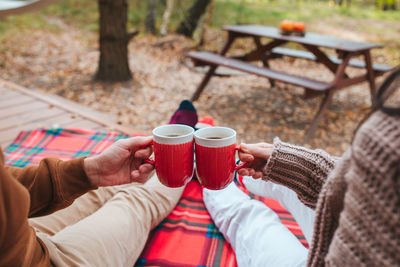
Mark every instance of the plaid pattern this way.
pixel 187 237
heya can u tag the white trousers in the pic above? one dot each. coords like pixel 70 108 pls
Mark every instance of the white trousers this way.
pixel 255 232
pixel 303 215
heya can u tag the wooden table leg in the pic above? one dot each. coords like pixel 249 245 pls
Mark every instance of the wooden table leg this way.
pixel 370 74
pixel 203 83
pixel 321 57
pixel 325 103
pixel 211 70
pixel 260 52
pixel 264 60
pixel 341 69
pixel 327 100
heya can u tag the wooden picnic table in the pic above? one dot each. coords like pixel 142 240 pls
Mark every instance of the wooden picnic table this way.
pixel 346 51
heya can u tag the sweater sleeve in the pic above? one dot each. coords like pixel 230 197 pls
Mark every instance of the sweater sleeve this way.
pixel 52 185
pixel 301 169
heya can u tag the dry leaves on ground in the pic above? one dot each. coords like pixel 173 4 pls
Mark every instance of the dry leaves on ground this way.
pixel 64 63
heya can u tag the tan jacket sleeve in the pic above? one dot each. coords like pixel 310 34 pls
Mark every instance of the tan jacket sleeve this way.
pixel 52 185
pixel 34 191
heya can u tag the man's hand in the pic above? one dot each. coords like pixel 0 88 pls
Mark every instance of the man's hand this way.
pixel 121 163
pixel 257 155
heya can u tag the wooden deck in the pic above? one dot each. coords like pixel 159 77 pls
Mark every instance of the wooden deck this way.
pixel 24 109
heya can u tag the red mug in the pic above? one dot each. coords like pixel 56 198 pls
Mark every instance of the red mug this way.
pixel 173 154
pixel 215 149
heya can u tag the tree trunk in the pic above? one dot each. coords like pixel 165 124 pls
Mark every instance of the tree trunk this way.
pixel 113 63
pixel 166 16
pixel 392 4
pixel 339 2
pixel 206 23
pixel 150 16
pixel 189 23
pixel 386 4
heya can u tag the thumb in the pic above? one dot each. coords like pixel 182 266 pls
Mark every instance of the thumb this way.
pixel 244 154
pixel 260 150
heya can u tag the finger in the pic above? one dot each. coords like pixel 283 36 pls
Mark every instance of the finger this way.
pixel 260 150
pixel 143 153
pixel 245 157
pixel 251 172
pixel 257 175
pixel 139 156
pixel 137 142
pixel 243 172
pixel 137 177
pixel 135 174
pixel 146 168
pixel 244 148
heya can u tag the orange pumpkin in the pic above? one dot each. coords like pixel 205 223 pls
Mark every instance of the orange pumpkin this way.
pixel 287 25
pixel 299 26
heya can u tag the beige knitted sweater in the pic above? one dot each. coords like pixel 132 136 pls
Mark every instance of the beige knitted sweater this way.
pixel 356 197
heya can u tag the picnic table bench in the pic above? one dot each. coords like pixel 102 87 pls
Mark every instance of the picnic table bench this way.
pixel 346 50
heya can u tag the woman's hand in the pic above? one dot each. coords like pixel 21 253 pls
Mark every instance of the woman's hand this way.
pixel 121 163
pixel 258 155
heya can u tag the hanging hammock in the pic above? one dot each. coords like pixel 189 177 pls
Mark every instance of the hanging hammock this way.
pixel 9 7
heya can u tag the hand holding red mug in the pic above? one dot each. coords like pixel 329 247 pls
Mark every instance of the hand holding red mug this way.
pixel 257 156
pixel 120 163
pixel 215 156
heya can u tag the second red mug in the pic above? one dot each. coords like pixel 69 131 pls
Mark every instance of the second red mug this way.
pixel 173 154
pixel 215 149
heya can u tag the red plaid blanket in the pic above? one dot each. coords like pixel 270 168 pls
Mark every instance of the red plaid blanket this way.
pixel 187 237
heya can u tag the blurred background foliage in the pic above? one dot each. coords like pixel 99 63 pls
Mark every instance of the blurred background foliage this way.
pixel 84 13
pixel 369 15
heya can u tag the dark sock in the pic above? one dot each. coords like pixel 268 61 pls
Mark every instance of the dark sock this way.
pixel 185 114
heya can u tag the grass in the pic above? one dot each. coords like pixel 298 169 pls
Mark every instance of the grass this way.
pixel 84 14
pixel 272 12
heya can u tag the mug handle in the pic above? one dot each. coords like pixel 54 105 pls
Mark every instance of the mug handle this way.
pixel 243 164
pixel 149 160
